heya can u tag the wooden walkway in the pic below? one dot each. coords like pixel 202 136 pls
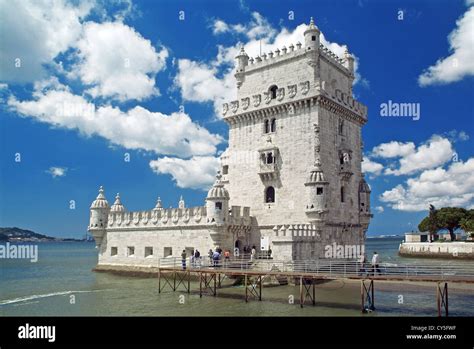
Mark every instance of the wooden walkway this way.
pixel 307 275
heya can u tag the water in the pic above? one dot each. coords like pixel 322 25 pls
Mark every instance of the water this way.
pixel 63 274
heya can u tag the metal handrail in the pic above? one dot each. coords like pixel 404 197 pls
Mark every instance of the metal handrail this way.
pixel 330 267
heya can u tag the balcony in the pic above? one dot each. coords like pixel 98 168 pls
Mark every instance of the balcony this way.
pixel 268 171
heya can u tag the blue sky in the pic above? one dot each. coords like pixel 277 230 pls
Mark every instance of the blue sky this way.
pixel 100 81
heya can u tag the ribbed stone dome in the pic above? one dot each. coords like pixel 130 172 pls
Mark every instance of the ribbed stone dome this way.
pixel 100 201
pixel 218 191
pixel 316 175
pixel 117 206
pixel 363 186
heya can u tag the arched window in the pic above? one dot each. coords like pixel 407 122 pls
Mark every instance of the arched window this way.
pixel 342 194
pixel 270 195
pixel 266 128
pixel 273 125
pixel 273 91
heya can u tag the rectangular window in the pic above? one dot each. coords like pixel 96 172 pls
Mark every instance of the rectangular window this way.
pixel 313 38
pixel 218 205
pixel 113 251
pixel 148 251
pixel 130 251
pixel 225 169
pixel 319 191
pixel 168 251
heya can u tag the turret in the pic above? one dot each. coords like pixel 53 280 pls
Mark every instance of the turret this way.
pixel 316 207
pixel 364 203
pixel 181 203
pixel 311 36
pixel 99 212
pixel 242 61
pixel 117 206
pixel 349 61
pixel 159 205
pixel 217 202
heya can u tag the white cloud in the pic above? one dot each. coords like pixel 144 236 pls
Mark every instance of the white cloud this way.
pixel 369 166
pixel 57 171
pixel 257 27
pixel 461 61
pixel 117 62
pixel 379 209
pixel 137 128
pixel 214 81
pixel 38 31
pixel 437 151
pixel 197 172
pixel 393 149
pixel 440 187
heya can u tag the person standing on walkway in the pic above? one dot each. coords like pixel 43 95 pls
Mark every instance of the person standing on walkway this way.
pixel 183 259
pixel 252 254
pixel 375 263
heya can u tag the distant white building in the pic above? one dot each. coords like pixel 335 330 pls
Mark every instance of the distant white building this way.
pixel 291 175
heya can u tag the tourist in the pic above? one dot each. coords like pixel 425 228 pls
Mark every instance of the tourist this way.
pixel 375 263
pixel 210 254
pixel 226 257
pixel 197 258
pixel 192 259
pixel 269 252
pixel 252 254
pixel 215 257
pixel 183 259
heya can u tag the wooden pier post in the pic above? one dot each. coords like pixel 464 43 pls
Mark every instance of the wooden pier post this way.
pixel 159 280
pixel 246 289
pixel 301 292
pixel 442 298
pixel 200 284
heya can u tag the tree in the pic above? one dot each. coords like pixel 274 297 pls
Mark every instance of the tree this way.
pixel 430 223
pixel 467 223
pixel 449 218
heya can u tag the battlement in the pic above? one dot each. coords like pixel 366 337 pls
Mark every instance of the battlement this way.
pixel 275 57
pixel 174 217
pixel 289 232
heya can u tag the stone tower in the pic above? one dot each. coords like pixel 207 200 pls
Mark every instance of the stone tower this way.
pixel 99 212
pixel 295 148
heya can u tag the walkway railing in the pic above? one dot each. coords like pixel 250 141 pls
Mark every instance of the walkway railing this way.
pixel 326 267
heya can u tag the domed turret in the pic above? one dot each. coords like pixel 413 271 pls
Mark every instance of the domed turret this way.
pixel 242 61
pixel 98 217
pixel 159 205
pixel 349 61
pixel 181 203
pixel 217 202
pixel 311 36
pixel 317 185
pixel 364 203
pixel 117 206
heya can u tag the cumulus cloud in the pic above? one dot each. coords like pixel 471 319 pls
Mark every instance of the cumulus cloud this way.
pixel 379 209
pixel 214 81
pixel 393 149
pixel 117 62
pixel 197 172
pixel 461 61
pixel 369 166
pixel 437 151
pixel 57 171
pixel 137 128
pixel 38 31
pixel 440 187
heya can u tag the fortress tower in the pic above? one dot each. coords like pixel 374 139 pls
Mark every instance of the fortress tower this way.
pixel 295 148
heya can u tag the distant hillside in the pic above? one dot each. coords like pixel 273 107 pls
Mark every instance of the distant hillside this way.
pixel 18 234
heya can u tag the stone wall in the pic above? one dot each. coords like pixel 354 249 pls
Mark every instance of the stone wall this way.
pixel 451 250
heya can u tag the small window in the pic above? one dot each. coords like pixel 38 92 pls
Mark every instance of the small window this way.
pixel 130 251
pixel 270 195
pixel 148 251
pixel 113 251
pixel 225 169
pixel 273 125
pixel 319 191
pixel 342 194
pixel 273 91
pixel 269 158
pixel 313 38
pixel 218 205
pixel 167 251
pixel 341 127
pixel 266 128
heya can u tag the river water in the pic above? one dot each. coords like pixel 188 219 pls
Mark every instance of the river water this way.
pixel 61 283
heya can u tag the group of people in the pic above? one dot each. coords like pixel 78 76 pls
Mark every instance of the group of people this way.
pixel 374 264
pixel 214 258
